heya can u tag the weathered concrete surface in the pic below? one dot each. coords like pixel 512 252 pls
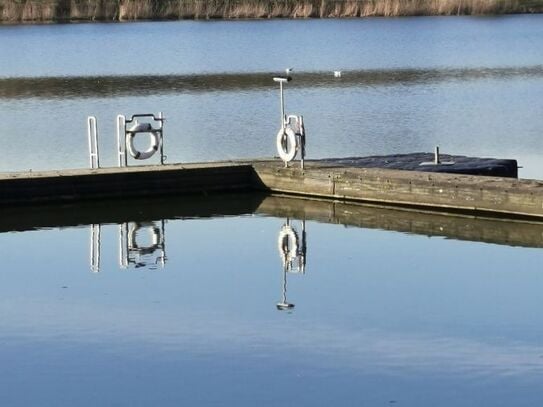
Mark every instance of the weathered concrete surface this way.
pixel 432 191
pixel 459 227
pixel 450 192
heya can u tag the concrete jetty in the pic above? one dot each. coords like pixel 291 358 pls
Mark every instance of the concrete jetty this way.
pixel 497 196
pixel 124 182
pixel 494 196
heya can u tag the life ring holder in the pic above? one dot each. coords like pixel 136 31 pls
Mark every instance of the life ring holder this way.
pixel 128 129
pixel 290 139
pixel 291 136
pixel 143 128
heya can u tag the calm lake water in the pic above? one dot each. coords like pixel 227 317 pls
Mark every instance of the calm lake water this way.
pixel 471 85
pixel 184 310
pixel 172 302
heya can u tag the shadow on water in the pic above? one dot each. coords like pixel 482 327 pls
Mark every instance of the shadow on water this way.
pixel 34 217
pixel 459 227
pixel 117 86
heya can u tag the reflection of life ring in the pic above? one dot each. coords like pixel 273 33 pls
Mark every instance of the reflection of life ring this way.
pixel 142 128
pixel 287 243
pixel 154 234
pixel 286 143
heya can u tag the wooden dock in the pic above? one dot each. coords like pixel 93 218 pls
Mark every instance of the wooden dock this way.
pixel 494 196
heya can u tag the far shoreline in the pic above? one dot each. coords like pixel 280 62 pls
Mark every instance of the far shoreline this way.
pixel 14 12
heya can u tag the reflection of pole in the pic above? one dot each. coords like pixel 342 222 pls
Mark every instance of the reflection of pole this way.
pixel 303 251
pixel 95 248
pixel 284 248
pixel 284 305
pixel 162 258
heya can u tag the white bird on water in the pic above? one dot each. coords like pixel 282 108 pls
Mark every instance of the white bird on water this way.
pixel 337 74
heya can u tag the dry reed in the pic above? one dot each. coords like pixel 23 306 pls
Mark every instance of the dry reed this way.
pixel 13 11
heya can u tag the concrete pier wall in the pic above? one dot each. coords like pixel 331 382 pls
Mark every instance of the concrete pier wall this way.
pixel 85 184
pixel 502 197
pixel 438 191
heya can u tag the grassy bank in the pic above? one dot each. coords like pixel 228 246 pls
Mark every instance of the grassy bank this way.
pixel 16 11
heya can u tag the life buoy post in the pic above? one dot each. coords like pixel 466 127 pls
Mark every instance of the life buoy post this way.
pixel 128 129
pixel 291 136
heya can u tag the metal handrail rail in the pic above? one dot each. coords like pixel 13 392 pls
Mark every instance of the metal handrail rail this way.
pixel 92 133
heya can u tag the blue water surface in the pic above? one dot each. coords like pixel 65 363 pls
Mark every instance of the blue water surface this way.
pixel 380 318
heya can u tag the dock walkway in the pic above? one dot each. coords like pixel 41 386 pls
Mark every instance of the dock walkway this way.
pixel 496 196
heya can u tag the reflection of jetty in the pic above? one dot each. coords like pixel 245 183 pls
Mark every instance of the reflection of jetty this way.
pixel 462 227
pixel 29 217
pixel 345 181
pixel 459 227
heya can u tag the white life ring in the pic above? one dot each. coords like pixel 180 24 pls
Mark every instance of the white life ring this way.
pixel 287 243
pixel 287 145
pixel 142 128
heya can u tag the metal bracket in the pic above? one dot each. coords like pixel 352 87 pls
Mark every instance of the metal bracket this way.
pixel 123 133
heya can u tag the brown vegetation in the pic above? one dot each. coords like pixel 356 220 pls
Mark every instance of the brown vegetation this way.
pixel 121 10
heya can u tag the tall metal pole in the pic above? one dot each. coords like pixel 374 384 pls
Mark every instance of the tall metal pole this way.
pixel 282 105
pixel 161 117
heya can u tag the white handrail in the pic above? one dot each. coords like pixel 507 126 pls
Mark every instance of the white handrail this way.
pixel 121 146
pixel 92 133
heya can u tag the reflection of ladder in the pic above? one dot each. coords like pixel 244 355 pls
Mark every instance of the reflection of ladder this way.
pixel 133 253
pixel 95 247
